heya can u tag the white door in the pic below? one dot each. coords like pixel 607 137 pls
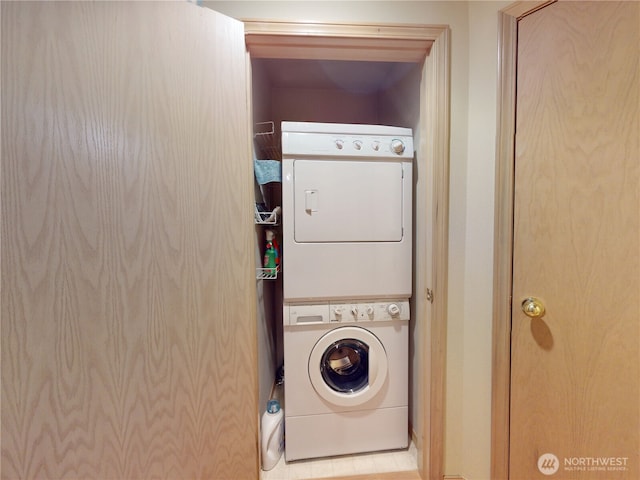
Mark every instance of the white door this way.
pixel 575 383
pixel 347 201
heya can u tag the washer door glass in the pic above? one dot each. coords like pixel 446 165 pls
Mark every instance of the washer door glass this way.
pixel 348 367
pixel 345 365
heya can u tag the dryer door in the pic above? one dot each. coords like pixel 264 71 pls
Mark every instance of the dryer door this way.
pixel 348 201
pixel 348 366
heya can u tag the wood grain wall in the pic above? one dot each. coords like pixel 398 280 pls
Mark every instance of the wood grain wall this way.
pixel 128 297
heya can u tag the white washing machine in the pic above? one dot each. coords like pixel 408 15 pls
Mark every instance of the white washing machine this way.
pixel 346 377
pixel 346 211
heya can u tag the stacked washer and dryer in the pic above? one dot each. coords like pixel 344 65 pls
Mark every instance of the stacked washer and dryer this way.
pixel 347 218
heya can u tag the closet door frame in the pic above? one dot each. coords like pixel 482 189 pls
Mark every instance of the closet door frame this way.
pixel 503 231
pixel 429 44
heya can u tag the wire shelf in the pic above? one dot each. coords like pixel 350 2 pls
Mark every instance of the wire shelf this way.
pixel 267 273
pixel 267 142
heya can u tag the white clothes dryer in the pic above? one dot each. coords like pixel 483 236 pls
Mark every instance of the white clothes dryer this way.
pixel 346 211
pixel 346 377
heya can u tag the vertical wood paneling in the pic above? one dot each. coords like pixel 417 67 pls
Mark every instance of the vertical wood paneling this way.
pixel 128 299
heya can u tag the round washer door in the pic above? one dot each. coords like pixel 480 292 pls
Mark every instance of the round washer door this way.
pixel 348 366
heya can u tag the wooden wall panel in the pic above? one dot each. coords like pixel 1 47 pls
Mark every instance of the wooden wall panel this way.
pixel 128 297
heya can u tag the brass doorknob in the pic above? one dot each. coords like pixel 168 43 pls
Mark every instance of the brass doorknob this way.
pixel 533 307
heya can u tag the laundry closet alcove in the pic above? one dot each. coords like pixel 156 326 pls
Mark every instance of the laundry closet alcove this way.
pixel 377 74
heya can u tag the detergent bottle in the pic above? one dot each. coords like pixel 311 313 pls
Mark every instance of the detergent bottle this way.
pixel 272 435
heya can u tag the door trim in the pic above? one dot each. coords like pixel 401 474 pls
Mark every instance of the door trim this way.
pixel 409 43
pixel 503 232
pixel 335 41
pixel 435 119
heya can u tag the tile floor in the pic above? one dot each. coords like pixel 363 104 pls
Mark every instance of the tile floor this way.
pixel 380 462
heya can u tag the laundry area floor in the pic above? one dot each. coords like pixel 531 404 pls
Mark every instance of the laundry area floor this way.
pixel 347 465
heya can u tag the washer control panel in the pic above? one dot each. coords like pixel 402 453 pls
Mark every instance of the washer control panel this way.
pixel 346 312
pixel 363 311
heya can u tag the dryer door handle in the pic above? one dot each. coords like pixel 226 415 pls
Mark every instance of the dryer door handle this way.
pixel 311 201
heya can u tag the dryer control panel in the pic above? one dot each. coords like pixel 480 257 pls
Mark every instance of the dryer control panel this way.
pixel 347 312
pixel 303 139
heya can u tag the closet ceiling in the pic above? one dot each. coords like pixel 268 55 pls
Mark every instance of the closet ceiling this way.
pixel 358 77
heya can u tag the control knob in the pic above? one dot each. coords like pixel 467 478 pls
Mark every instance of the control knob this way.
pixel 397 146
pixel 393 309
pixel 357 145
pixel 339 144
